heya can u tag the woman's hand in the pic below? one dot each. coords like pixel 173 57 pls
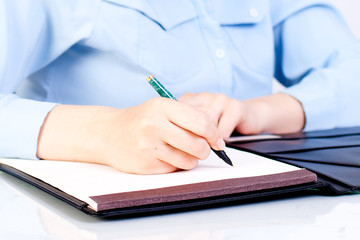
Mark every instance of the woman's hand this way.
pixel 158 136
pixel 229 114
pixel 277 113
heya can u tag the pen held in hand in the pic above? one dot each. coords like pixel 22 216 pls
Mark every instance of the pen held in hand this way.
pixel 163 92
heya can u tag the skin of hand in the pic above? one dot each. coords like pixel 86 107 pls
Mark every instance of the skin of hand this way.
pixel 277 113
pixel 159 136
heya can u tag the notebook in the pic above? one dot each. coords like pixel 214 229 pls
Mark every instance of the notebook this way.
pixel 105 192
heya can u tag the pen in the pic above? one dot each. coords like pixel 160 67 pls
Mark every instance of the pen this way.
pixel 163 92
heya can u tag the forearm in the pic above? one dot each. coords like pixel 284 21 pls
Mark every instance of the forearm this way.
pixel 74 133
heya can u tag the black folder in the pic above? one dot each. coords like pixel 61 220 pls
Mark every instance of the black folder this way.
pixel 334 155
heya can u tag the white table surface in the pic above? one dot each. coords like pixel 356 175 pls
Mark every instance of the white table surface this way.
pixel 29 213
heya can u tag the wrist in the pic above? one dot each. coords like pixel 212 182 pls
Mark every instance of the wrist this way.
pixel 278 113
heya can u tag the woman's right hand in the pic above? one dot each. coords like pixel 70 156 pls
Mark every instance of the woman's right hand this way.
pixel 158 136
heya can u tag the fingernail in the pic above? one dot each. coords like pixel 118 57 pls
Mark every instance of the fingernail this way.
pixel 220 144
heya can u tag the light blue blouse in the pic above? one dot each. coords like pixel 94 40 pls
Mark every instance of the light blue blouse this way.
pixel 100 52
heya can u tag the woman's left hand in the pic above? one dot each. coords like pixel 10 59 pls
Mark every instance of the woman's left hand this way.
pixel 276 113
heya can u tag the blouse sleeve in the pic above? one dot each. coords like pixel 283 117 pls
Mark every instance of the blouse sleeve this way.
pixel 318 60
pixel 32 35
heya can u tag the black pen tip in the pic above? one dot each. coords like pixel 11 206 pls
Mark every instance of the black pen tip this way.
pixel 222 154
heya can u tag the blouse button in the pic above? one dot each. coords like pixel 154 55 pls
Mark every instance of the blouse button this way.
pixel 254 12
pixel 220 53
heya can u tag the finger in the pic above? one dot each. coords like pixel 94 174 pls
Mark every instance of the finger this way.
pixel 176 157
pixel 222 109
pixel 195 121
pixel 156 166
pixel 213 115
pixel 185 141
pixel 230 118
pixel 147 164
pixel 213 104
pixel 201 99
pixel 218 103
pixel 187 97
